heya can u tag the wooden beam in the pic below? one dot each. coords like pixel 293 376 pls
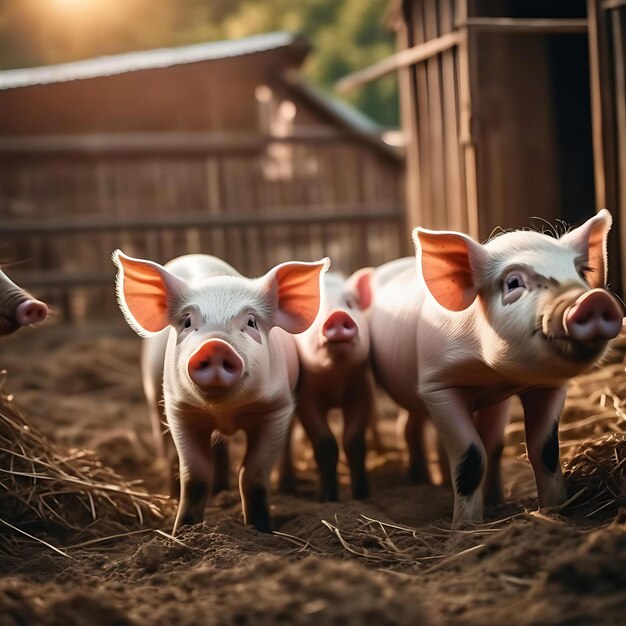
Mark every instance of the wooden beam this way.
pixel 613 4
pixel 161 143
pixel 200 219
pixel 519 25
pixel 393 63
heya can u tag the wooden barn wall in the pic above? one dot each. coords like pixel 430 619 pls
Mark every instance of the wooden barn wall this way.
pixel 499 124
pixel 431 95
pixel 179 98
pixel 63 211
pixel 607 52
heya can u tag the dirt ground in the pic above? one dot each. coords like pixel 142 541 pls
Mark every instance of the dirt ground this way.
pixel 391 559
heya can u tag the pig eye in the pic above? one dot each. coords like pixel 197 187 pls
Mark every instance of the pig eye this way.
pixel 350 303
pixel 584 270
pixel 187 322
pixel 514 286
pixel 252 322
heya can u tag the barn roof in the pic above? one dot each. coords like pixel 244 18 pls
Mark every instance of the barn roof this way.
pixel 150 59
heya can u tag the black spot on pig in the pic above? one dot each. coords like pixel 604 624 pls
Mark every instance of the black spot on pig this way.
pixel 470 471
pixel 550 450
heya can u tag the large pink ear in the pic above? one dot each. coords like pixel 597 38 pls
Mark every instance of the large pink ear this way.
pixel 361 283
pixel 590 240
pixel 447 260
pixel 145 291
pixel 297 288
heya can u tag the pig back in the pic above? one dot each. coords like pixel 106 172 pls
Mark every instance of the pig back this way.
pixel 397 300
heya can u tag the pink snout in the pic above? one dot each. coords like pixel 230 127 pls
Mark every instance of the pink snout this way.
pixel 215 364
pixel 339 327
pixel 30 312
pixel 596 315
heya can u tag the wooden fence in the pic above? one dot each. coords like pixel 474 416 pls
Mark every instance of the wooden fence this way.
pixel 67 202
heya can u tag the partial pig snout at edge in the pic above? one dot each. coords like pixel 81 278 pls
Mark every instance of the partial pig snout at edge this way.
pixel 594 316
pixel 30 311
pixel 215 364
pixel 339 326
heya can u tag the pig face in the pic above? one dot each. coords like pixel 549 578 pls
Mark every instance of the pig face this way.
pixel 221 326
pixel 340 333
pixel 538 302
pixel 17 308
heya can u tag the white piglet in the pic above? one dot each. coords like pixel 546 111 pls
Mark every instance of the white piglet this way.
pixel 474 324
pixel 229 362
pixel 335 373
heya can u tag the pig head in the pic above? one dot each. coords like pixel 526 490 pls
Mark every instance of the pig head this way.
pixel 17 307
pixel 230 362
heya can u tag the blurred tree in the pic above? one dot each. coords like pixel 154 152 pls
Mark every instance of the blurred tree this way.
pixel 347 34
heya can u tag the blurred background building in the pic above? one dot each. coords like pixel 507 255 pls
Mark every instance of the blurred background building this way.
pixel 210 126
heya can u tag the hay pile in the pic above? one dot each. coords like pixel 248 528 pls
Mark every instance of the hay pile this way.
pixel 65 492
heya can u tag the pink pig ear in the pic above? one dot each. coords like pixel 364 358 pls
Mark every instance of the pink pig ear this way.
pixel 590 240
pixel 144 291
pixel 360 283
pixel 447 259
pixel 297 289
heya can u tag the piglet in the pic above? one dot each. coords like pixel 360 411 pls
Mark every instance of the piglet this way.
pixel 335 373
pixel 223 346
pixel 17 307
pixel 475 324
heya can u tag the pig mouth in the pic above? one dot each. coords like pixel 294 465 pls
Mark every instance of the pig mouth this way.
pixel 569 349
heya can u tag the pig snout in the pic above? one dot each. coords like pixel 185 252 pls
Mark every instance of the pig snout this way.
pixel 339 327
pixel 215 365
pixel 30 311
pixel 596 315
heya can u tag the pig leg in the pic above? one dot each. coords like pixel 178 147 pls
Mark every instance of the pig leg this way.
pixel 287 473
pixel 490 423
pixel 221 465
pixel 451 410
pixel 193 442
pixel 357 414
pixel 414 433
pixel 444 466
pixel 266 440
pixel 325 449
pixel 542 412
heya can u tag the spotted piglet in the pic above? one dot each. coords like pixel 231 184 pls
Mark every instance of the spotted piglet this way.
pixel 223 346
pixel 17 307
pixel 335 373
pixel 475 324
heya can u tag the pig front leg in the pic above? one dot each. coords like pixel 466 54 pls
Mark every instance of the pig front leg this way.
pixel 542 413
pixel 266 440
pixel 357 414
pixel 325 449
pixel 193 442
pixel 287 472
pixel 490 423
pixel 414 434
pixel 451 411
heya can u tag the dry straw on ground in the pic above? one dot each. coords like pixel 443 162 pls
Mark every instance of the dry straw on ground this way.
pixel 68 493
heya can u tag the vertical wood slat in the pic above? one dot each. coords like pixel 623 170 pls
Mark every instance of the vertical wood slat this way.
pixel 425 216
pixel 618 23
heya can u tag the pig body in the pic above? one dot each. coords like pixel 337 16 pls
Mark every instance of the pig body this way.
pixel 223 345
pixel 470 326
pixel 17 307
pixel 335 373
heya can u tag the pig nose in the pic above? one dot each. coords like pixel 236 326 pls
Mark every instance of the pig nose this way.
pixel 595 315
pixel 215 364
pixel 339 326
pixel 30 312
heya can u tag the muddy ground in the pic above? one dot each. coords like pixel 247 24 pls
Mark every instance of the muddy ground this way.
pixel 391 559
